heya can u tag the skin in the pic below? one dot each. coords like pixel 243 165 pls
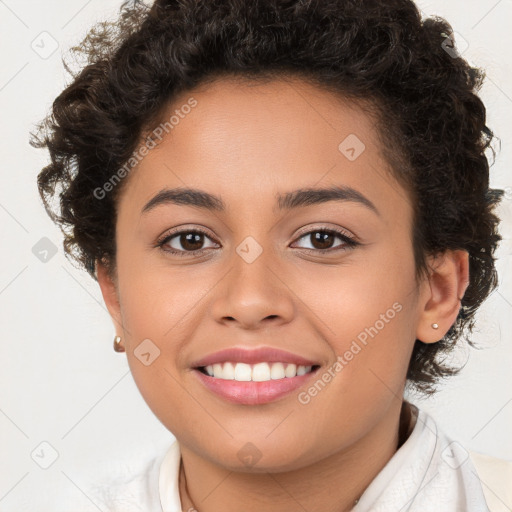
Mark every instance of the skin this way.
pixel 246 143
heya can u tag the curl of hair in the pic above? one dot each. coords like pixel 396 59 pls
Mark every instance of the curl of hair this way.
pixel 431 122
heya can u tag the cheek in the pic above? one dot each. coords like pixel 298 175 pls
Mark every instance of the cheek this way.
pixel 156 314
pixel 156 301
pixel 372 348
pixel 365 296
pixel 377 351
pixel 367 313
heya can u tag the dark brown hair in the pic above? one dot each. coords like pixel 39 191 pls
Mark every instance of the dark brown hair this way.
pixel 381 53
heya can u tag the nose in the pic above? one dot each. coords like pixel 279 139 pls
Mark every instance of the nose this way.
pixel 253 294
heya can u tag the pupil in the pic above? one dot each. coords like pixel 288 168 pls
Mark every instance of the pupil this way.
pixel 323 238
pixel 188 240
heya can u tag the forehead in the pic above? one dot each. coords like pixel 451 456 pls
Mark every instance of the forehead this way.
pixel 245 141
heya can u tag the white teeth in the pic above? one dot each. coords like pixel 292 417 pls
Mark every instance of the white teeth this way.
pixel 259 372
pixel 290 371
pixel 217 370
pixel 228 371
pixel 277 371
pixel 242 372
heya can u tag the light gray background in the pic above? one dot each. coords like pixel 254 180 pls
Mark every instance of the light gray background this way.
pixel 63 384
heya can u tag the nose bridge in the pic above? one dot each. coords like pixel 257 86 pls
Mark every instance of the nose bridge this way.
pixel 252 266
pixel 252 242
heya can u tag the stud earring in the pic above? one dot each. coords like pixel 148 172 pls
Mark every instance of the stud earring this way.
pixel 435 326
pixel 117 344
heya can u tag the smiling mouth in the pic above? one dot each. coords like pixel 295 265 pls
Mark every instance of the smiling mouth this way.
pixel 258 372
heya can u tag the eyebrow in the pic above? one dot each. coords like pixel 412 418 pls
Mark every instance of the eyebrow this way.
pixel 287 201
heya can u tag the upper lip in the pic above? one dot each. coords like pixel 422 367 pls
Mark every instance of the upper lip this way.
pixel 252 355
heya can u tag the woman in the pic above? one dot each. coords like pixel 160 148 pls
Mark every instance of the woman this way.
pixel 286 206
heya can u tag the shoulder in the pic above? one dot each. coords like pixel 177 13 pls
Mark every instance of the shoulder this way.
pixel 496 477
pixel 131 490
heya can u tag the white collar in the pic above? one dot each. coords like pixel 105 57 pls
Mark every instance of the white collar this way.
pixel 428 473
pixel 168 481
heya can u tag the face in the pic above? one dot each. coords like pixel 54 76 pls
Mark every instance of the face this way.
pixel 330 279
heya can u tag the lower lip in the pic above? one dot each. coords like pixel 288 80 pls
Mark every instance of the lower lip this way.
pixel 253 393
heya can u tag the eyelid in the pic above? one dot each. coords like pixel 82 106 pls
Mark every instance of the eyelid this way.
pixel 179 230
pixel 323 227
pixel 186 228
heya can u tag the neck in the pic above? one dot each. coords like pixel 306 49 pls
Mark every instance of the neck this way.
pixel 333 484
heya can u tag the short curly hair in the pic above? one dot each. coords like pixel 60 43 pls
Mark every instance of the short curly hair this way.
pixel 431 122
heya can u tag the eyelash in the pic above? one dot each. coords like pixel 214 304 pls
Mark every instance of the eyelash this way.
pixel 349 242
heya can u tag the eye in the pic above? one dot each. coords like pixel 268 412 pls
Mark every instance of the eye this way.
pixel 322 239
pixel 190 241
pixel 184 242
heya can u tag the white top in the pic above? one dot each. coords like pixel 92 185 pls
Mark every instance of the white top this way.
pixel 429 473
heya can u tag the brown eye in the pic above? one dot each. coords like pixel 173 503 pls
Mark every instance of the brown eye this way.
pixel 324 240
pixel 191 241
pixel 185 241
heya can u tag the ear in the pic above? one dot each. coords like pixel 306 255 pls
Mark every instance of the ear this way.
pixel 109 290
pixel 447 282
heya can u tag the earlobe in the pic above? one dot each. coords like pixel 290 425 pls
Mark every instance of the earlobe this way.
pixel 447 282
pixel 110 295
